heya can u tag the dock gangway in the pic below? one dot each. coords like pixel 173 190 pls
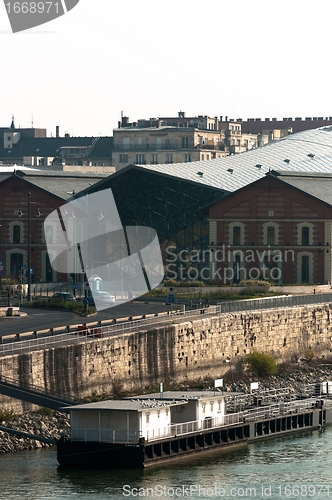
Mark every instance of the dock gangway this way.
pixel 35 395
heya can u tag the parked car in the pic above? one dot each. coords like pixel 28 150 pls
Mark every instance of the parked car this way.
pixel 90 332
pixel 64 296
pixel 102 298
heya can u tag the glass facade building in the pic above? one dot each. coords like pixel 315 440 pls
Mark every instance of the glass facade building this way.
pixel 169 205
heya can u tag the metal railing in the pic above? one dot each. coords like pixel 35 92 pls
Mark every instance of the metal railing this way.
pixel 223 421
pixel 274 302
pixel 38 390
pixel 4 300
pixel 279 409
pixel 77 337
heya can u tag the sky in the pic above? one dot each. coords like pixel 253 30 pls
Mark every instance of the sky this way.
pixel 152 58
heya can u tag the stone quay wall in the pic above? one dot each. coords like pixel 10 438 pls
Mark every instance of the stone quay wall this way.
pixel 187 351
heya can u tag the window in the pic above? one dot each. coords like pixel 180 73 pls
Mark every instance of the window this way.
pixel 236 235
pixel 139 141
pixel 16 234
pixel 147 417
pixel 211 406
pixel 154 159
pixel 49 234
pixel 271 235
pixel 237 268
pixel 305 268
pixel 140 159
pixel 203 407
pixel 268 262
pixel 48 268
pixel 305 233
pixel 169 158
pixel 187 158
pixel 16 263
pixel 158 413
pixel 126 143
pixel 123 158
pixel 185 142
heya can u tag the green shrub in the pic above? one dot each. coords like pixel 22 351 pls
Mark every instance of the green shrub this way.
pixel 261 364
pixel 45 411
pixel 67 305
pixel 255 283
pixel 184 283
pixel 7 415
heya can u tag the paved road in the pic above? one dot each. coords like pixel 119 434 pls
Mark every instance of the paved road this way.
pixel 39 319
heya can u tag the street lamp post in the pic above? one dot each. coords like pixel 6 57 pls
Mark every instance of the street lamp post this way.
pixel 1 271
pixel 231 369
pixel 20 214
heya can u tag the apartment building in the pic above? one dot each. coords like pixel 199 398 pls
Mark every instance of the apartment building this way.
pixel 279 128
pixel 32 147
pixel 151 142
pixel 180 139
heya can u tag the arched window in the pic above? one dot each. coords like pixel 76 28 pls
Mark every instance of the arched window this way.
pixel 304 233
pixel 16 234
pixel 16 264
pixel 305 267
pixel 271 233
pixel 236 233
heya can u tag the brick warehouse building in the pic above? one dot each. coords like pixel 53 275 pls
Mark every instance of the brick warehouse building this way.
pixel 47 191
pixel 169 198
pixel 278 227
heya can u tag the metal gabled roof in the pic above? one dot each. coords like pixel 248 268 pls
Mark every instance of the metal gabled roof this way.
pixel 310 150
pixel 318 185
pixel 59 183
pixel 51 147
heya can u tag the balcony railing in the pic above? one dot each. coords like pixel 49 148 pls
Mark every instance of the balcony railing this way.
pixel 147 147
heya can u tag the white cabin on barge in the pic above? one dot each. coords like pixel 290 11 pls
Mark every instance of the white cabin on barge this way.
pixel 149 417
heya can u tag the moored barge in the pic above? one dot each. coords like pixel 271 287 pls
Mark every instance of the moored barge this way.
pixel 140 431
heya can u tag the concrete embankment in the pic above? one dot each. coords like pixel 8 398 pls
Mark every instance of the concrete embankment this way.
pixel 50 425
pixel 172 353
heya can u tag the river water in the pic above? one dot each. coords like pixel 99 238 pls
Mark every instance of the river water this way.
pixel 299 466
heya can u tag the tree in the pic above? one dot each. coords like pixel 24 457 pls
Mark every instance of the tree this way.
pixel 261 364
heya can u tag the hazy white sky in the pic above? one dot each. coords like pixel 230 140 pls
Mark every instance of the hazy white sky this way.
pixel 150 58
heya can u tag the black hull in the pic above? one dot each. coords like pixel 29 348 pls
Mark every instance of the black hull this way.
pixel 106 455
pixel 113 456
